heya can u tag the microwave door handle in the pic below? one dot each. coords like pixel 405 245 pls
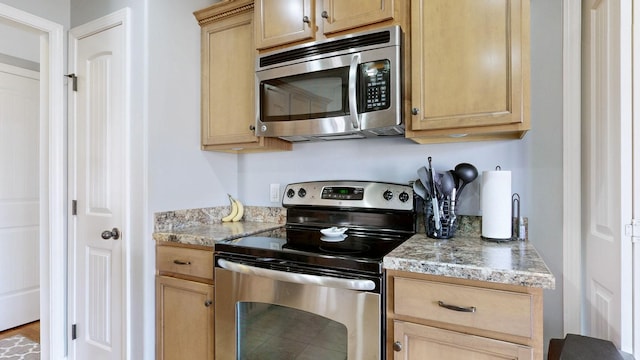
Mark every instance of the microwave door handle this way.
pixel 306 279
pixel 353 78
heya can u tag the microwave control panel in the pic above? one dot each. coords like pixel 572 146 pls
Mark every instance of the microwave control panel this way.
pixel 375 80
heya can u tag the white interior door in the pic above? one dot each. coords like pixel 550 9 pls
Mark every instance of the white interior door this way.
pixel 98 183
pixel 607 169
pixel 19 196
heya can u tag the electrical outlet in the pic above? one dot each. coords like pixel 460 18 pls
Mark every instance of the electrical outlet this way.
pixel 274 193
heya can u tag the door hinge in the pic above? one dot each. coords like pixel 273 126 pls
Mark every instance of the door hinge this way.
pixel 74 78
pixel 74 207
pixel 74 334
pixel 633 230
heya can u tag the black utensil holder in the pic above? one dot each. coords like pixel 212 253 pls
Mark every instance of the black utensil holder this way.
pixel 448 220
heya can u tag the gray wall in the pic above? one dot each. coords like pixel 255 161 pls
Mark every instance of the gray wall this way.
pixel 54 10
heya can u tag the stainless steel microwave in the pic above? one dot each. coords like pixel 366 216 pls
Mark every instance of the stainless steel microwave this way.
pixel 343 88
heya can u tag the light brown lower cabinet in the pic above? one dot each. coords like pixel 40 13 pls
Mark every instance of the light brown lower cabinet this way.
pixel 414 341
pixel 184 319
pixel 184 303
pixel 438 317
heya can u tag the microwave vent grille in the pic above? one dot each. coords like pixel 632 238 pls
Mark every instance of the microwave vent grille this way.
pixel 381 37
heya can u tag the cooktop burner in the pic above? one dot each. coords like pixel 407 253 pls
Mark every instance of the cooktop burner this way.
pixel 378 217
pixel 357 251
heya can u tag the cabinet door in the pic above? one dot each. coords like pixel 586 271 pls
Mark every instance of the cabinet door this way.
pixel 469 64
pixel 228 82
pixel 281 22
pixel 339 15
pixel 420 342
pixel 184 319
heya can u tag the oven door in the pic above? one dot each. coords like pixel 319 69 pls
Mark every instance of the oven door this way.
pixel 272 314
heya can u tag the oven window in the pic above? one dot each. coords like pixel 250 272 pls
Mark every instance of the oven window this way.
pixel 267 331
pixel 314 95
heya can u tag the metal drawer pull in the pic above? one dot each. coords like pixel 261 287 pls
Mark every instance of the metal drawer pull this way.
pixel 208 303
pixel 180 262
pixel 470 309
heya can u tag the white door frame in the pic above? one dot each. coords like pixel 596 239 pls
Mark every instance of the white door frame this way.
pixel 636 178
pixel 53 208
pixel 571 166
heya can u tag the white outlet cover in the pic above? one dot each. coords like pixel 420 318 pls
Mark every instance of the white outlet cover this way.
pixel 274 193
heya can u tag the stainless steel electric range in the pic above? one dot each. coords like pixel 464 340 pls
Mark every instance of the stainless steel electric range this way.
pixel 314 289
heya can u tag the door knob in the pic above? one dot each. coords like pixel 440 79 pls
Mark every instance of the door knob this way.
pixel 111 234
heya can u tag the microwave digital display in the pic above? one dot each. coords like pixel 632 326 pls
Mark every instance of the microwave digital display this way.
pixel 375 86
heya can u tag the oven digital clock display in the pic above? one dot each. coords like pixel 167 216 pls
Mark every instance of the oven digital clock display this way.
pixel 343 193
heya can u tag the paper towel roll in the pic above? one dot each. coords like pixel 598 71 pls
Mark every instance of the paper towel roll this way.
pixel 495 196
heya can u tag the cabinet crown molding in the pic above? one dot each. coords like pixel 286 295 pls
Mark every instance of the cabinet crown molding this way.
pixel 222 10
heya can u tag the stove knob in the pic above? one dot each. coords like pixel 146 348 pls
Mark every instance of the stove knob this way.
pixel 404 197
pixel 388 195
pixel 302 192
pixel 290 193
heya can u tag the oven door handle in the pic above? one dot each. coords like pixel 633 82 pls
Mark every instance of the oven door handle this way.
pixel 327 281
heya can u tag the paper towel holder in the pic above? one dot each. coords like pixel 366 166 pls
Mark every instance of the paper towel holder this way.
pixel 510 236
pixel 519 229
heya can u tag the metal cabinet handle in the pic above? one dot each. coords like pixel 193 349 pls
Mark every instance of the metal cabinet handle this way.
pixel 208 303
pixel 111 234
pixel 415 111
pixel 325 14
pixel 397 346
pixel 252 127
pixel 305 19
pixel 181 262
pixel 470 309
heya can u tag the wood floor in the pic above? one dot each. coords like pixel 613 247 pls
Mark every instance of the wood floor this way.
pixel 30 330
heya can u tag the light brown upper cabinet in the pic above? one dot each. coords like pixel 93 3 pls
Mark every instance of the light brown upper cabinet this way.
pixel 228 83
pixel 281 22
pixel 469 70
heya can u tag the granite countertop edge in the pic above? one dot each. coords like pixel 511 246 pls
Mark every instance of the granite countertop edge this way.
pixel 513 263
pixel 210 234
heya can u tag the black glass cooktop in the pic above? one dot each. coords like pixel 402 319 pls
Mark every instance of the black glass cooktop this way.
pixel 355 250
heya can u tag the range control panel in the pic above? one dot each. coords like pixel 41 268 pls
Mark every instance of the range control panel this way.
pixel 355 194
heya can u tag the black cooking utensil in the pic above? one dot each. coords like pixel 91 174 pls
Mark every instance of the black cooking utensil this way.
pixel 466 173
pixel 434 198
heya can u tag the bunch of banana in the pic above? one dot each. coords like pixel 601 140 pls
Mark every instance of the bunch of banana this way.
pixel 237 210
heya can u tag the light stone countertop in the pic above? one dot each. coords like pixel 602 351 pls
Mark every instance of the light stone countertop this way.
pixel 209 234
pixel 465 256
pixel 470 257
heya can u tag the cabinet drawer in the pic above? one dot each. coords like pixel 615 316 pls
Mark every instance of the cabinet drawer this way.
pixel 185 261
pixel 494 310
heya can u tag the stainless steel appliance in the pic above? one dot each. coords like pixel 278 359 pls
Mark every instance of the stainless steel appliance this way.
pixel 343 88
pixel 303 293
